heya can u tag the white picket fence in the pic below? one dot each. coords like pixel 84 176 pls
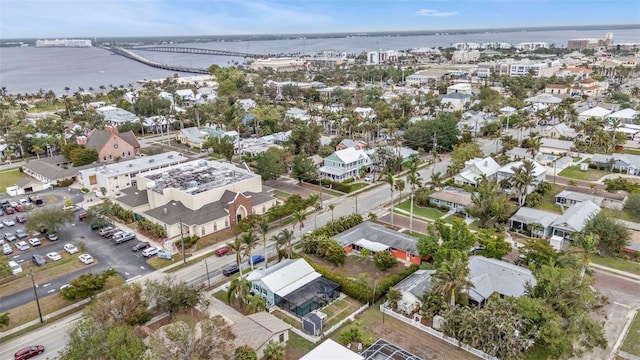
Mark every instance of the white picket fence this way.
pixel 431 331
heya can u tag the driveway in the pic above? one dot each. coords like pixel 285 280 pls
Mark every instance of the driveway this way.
pixel 291 186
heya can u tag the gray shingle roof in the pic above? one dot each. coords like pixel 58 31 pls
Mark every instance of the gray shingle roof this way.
pixel 97 139
pixel 176 211
pixel 130 138
pixel 133 197
pixel 53 172
pixel 380 234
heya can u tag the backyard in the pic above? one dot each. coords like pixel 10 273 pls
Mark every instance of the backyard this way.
pixel 360 268
pixel 549 200
pixel 574 172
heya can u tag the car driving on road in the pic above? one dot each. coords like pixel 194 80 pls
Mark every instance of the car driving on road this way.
pixel 28 352
pixel 230 270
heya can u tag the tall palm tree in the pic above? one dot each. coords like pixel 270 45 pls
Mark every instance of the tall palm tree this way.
pixel 522 179
pixel 256 303
pixel 299 217
pixel 400 185
pixel 263 228
pixel 286 236
pixel 587 245
pixel 391 180
pixel 415 181
pixel 238 289
pixel 451 277
pixel 332 207
pixel 237 246
pixel 250 241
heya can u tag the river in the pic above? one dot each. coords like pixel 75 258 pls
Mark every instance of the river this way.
pixel 29 69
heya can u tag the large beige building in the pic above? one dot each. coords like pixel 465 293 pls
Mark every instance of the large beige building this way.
pixel 202 196
pixel 279 64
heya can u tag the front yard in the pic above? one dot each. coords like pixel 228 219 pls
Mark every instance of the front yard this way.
pixel 574 172
pixel 419 211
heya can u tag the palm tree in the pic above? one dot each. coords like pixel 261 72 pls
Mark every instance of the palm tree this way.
pixel 436 180
pixel 391 180
pixel 586 244
pixel 238 246
pixel 274 351
pixel 372 216
pixel 332 207
pixel 451 277
pixel 250 241
pixel 393 296
pixel 256 303
pixel 263 228
pixel 522 179
pixel 299 217
pixel 400 185
pixel 414 181
pixel 238 289
pixel 286 236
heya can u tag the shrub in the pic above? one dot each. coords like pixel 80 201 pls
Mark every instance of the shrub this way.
pixel 65 182
pixel 151 229
pixel 348 181
pixel 384 260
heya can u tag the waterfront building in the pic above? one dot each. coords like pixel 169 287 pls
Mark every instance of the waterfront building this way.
pixel 63 43
pixel 532 46
pixel 284 64
pixel 465 56
pixel 590 44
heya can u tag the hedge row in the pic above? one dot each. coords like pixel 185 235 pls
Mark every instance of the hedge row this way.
pixel 357 290
pixel 336 185
pixel 335 227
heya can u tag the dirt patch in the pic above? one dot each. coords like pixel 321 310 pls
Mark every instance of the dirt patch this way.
pixel 51 199
pixel 357 265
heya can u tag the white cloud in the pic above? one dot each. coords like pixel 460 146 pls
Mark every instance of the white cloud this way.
pixel 437 13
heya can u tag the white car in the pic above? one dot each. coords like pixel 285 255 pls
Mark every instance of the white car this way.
pixel 70 248
pixel 6 249
pixel 22 245
pixel 23 202
pixel 86 259
pixel 13 204
pixel 8 222
pixel 34 242
pixel 54 256
pixel 368 178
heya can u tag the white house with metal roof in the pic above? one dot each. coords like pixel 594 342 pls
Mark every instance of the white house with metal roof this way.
pixel 555 146
pixel 344 164
pixel 595 112
pixel 625 115
pixel 115 116
pixel 330 349
pixel 475 168
pixel 574 219
pixel 507 172
pixel 525 216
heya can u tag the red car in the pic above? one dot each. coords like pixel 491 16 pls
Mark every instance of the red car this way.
pixel 21 219
pixel 9 210
pixel 29 352
pixel 19 208
pixel 223 251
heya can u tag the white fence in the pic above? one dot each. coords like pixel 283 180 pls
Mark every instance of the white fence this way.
pixel 387 311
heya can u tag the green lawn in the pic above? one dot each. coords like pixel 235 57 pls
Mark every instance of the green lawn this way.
pixel 9 178
pixel 631 151
pixel 619 264
pixel 358 186
pixel 427 212
pixel 631 342
pixel 548 203
pixel 573 172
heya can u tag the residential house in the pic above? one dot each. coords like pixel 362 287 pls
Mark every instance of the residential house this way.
pixel 507 172
pixel 557 89
pixel 558 131
pixel 364 113
pixel 525 216
pixel 518 153
pixel 628 116
pixel 459 88
pixel 492 276
pixel 247 104
pixel 574 219
pixel 257 330
pixel 474 121
pixel 544 99
pixel 455 101
pixel 412 288
pixel 555 146
pixel 192 137
pixel 344 164
pixel 330 349
pixel 376 238
pixel 590 87
pixel 452 198
pixel 29 185
pixel 578 73
pixel 405 154
pixel 595 112
pixel 348 143
pixel 476 168
pixel 111 144
pixel 572 195
pixel 624 163
pixel 290 284
pixel 115 116
pixel 198 197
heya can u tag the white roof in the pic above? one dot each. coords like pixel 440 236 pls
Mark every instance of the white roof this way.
pixel 486 166
pixel 285 277
pixel 373 246
pixel 544 99
pixel 555 143
pixel 350 155
pixel 537 168
pixel 595 112
pixel 627 114
pixel 330 349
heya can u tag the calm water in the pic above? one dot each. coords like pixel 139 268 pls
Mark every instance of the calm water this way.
pixel 29 69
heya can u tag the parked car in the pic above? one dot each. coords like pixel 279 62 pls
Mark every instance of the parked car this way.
pixel 109 233
pixel 223 251
pixel 368 178
pixel 82 216
pixel 6 249
pixel 104 230
pixel 19 208
pixel 70 248
pixel 9 237
pixel 86 259
pixel 38 259
pixel 255 259
pixel 22 245
pixel 21 219
pixel 8 210
pixel 230 270
pixel 20 234
pixel 52 236
pixel 54 256
pixel 13 204
pixel 141 245
pixel 28 352
pixel 23 202
pixel 15 267
pixel 124 238
pixel 35 242
pixel 8 222
pixel 150 251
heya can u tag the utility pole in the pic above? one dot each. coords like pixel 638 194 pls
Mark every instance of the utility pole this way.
pixel 184 258
pixel 35 291
pixel 435 150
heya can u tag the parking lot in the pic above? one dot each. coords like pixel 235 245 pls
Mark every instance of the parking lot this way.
pixel 49 278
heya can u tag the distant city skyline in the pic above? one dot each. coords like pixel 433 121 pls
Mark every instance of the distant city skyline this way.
pixel 113 18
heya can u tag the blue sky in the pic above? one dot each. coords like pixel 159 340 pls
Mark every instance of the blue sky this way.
pixel 96 18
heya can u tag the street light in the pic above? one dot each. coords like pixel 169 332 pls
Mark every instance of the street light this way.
pixel 35 291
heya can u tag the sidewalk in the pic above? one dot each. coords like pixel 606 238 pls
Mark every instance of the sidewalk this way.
pixel 615 271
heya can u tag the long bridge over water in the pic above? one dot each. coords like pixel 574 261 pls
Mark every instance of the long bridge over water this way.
pixel 133 56
pixel 197 51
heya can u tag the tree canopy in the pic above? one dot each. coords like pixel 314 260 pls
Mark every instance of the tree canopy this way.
pixel 48 220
